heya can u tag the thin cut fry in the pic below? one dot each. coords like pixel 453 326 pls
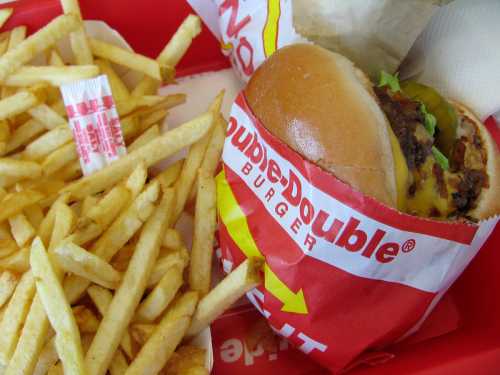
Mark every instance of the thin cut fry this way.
pixel 54 75
pixel 64 222
pixel 36 43
pixel 155 353
pixel 162 147
pixel 146 137
pixel 20 102
pixel 15 203
pixel 47 225
pixel 229 290
pixel 172 239
pixel 127 297
pixel 200 267
pixel 59 158
pixel 142 332
pixel 170 175
pixel 126 58
pixel 78 38
pixel 24 134
pixel 35 215
pixel 58 310
pixel 8 283
pixel 17 261
pixel 48 142
pixel 21 229
pixel 14 315
pixel 85 319
pixel 110 206
pixel 82 263
pixel 118 365
pixel 178 258
pixel 5 13
pixel 19 168
pixel 48 357
pixel 47 116
pixel 180 41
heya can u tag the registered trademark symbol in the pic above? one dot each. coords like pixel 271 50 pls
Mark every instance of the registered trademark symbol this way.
pixel 408 246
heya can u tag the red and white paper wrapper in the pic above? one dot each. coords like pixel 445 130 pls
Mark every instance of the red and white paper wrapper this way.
pixel 344 274
pixel 94 121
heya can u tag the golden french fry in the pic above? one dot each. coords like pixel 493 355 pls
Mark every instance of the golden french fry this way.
pixel 48 358
pixel 16 36
pixel 142 332
pixel 24 134
pixel 89 202
pixel 8 283
pixel 14 203
pixel 102 299
pixel 17 261
pixel 48 142
pixel 4 44
pixel 37 43
pixel 21 229
pixel 151 119
pixel 19 168
pixel 155 352
pixel 109 207
pixel 177 258
pixel 7 246
pixel 47 225
pixel 137 179
pixel 85 319
pixel 64 222
pixel 146 137
pixel 193 161
pixel 126 58
pixel 205 220
pixel 35 215
pixel 58 310
pixel 160 297
pixel 5 13
pixel 56 369
pixel 20 102
pixel 79 43
pixel 188 360
pixel 4 135
pixel 234 286
pixel 59 158
pixel 121 95
pixel 30 344
pixel 70 172
pixel 118 365
pixel 128 295
pixel 167 102
pixel 47 116
pixel 180 41
pixel 14 315
pixel 122 229
pixel 213 153
pixel 172 239
pixel 122 258
pixel 165 145
pixel 54 75
pixel 170 174
pixel 55 59
pixel 80 262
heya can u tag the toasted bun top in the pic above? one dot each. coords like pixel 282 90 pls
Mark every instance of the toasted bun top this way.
pixel 324 108
pixel 488 202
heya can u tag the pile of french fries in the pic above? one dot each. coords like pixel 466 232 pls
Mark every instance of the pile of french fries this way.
pixel 94 277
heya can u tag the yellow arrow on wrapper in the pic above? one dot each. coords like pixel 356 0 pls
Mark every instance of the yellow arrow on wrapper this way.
pixel 237 226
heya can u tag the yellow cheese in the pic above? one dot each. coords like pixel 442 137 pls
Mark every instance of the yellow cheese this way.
pixel 401 172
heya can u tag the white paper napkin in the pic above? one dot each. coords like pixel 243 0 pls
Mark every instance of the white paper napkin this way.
pixel 459 54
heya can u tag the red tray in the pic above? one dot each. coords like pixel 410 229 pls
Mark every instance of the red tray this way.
pixel 474 348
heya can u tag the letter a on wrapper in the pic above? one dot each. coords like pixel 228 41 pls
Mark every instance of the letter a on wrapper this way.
pixel 94 122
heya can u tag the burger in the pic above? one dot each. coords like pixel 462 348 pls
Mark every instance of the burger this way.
pixel 401 143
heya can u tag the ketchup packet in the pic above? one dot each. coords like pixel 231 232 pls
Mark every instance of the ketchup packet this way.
pixel 94 121
pixel 344 274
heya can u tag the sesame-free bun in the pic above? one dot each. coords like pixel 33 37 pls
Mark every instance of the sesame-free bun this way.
pixel 323 107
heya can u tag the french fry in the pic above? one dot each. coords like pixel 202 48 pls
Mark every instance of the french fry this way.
pixel 137 179
pixel 109 207
pixel 234 286
pixel 187 360
pixel 155 352
pixel 118 365
pixel 17 261
pixel 160 148
pixel 35 215
pixel 20 102
pixel 146 137
pixel 115 237
pixel 129 294
pixel 5 13
pixel 56 369
pixel 59 158
pixel 48 142
pixel 8 283
pixel 21 229
pixel 102 299
pixel 16 36
pixel 70 172
pixel 47 116
pixel 89 202
pixel 85 319
pixel 58 310
pixel 193 161
pixel 14 203
pixel 48 357
pixel 200 267
pixel 23 135
pixel 153 118
pixel 4 135
pixel 64 222
pixel 170 174
pixel 78 38
pixel 172 239
pixel 141 332
pixel 120 91
pixel 53 75
pixel 4 44
pixel 126 58
pixel 36 43
pixel 14 315
pixel 122 258
pixel 19 168
pixel 55 59
pixel 47 225
pixel 161 296
pixel 178 258
pixel 7 247
pixel 80 262
pixel 30 344
pixel 213 153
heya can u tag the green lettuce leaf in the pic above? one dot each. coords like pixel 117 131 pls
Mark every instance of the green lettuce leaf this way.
pixel 429 120
pixel 392 81
pixel 440 158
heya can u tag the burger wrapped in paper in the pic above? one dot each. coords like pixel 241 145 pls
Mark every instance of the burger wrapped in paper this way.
pixel 366 201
